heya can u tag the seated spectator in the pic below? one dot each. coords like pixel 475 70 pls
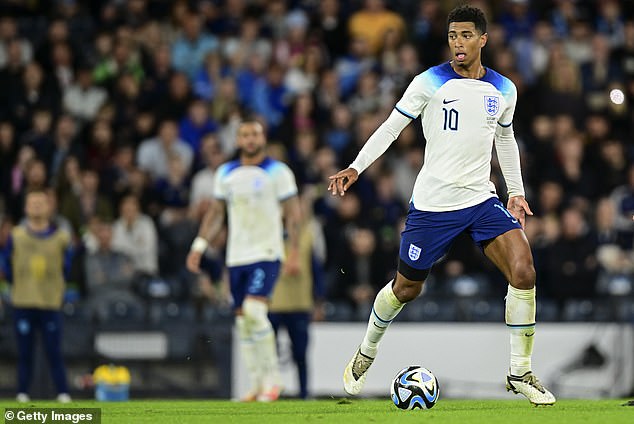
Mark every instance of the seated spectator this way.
pixel 80 207
pixel 109 273
pixel 153 153
pixel 190 49
pixel 34 178
pixel 614 253
pixel 33 93
pixel 134 234
pixel 623 198
pixel 39 136
pixel 196 124
pixel 101 147
pixel 372 22
pixel 201 193
pixel 83 99
pixel 572 262
pixel 172 193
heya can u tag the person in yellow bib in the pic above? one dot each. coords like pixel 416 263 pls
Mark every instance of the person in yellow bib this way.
pixel 38 257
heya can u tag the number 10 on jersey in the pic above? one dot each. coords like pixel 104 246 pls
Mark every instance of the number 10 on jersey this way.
pixel 451 119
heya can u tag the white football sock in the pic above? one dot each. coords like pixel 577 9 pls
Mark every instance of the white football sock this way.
pixel 248 352
pixel 520 319
pixel 263 341
pixel 386 307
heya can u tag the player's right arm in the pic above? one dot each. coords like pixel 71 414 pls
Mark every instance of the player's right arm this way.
pixel 408 108
pixel 211 225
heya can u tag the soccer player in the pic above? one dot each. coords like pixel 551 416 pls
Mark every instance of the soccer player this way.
pixel 464 107
pixel 257 192
pixel 39 259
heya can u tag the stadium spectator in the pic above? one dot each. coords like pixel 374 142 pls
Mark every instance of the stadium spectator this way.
pixel 572 263
pixel 172 193
pixel 201 193
pixel 195 125
pixel 80 207
pixel 65 144
pixel 10 75
pixel 372 22
pixel 10 40
pixel 191 47
pixel 153 154
pixel 34 177
pixel 109 273
pixel 33 92
pixel 83 99
pixel 134 234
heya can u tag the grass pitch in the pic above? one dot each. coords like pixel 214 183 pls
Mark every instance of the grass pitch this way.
pixel 361 411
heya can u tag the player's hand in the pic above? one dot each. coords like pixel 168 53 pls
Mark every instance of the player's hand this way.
pixel 291 264
pixel 193 261
pixel 342 180
pixel 518 207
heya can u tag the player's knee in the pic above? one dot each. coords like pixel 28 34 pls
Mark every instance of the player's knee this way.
pixel 256 313
pixel 406 290
pixel 523 275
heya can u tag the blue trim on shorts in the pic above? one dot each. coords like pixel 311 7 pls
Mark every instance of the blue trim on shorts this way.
pixel 428 235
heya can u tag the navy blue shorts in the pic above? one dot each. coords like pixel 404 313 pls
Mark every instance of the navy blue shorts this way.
pixel 256 279
pixel 428 235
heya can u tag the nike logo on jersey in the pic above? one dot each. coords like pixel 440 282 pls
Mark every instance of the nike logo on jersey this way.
pixel 446 102
pixel 514 221
pixel 530 335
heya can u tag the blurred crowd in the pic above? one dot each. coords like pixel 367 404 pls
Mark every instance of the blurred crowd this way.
pixel 123 110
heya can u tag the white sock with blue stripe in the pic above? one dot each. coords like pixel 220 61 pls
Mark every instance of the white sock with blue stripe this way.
pixel 520 319
pixel 247 351
pixel 263 336
pixel 386 307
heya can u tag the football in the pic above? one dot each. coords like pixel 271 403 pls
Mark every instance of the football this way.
pixel 415 387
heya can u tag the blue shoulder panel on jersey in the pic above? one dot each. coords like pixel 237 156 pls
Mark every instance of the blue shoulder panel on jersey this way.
pixel 268 164
pixel 499 81
pixel 271 165
pixel 436 76
pixel 226 169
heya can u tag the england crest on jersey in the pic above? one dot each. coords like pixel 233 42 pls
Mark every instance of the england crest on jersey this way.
pixel 491 105
pixel 414 252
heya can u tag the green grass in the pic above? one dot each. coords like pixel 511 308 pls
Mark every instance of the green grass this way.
pixel 361 411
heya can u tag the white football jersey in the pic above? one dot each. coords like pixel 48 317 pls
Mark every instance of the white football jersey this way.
pixel 253 195
pixel 459 118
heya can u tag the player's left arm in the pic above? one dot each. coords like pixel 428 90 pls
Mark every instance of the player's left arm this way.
pixel 292 222
pixel 509 159
pixel 286 188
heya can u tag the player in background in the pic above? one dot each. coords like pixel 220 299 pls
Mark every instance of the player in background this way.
pixel 464 107
pixel 257 193
pixel 39 256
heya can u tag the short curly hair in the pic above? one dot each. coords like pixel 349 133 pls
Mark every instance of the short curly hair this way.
pixel 466 13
